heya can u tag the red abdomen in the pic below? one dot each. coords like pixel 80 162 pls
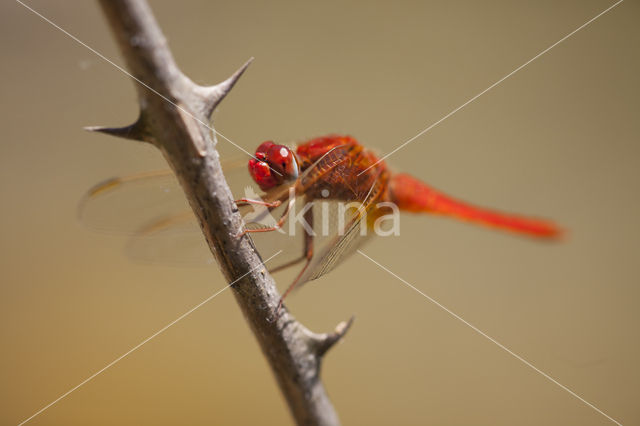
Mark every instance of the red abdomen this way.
pixel 412 195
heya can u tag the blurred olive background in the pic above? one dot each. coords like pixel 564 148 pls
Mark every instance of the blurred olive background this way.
pixel 557 139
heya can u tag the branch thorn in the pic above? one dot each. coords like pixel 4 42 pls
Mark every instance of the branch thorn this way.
pixel 212 95
pixel 327 340
pixel 135 131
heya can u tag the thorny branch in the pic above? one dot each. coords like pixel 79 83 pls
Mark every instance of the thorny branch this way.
pixel 173 113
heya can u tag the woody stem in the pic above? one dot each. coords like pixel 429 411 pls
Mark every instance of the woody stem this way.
pixel 174 116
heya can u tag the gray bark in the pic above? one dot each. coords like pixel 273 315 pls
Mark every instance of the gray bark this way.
pixel 174 117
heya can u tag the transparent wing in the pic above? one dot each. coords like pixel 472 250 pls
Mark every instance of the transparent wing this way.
pixel 349 231
pixel 171 240
pixel 127 204
pixel 152 210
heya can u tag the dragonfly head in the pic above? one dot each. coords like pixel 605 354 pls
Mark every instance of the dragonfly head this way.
pixel 273 165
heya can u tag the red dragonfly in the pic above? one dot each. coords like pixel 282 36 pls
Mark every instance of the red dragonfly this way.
pixel 321 175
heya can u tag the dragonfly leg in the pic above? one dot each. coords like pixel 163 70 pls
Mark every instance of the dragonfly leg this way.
pixel 307 251
pixel 308 255
pixel 278 224
pixel 287 265
pixel 243 201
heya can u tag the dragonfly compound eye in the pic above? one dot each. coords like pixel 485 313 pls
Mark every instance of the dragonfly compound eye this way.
pixel 262 174
pixel 273 164
pixel 283 161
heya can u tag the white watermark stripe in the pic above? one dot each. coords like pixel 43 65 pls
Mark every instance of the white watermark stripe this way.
pixel 163 329
pixel 500 345
pixel 422 132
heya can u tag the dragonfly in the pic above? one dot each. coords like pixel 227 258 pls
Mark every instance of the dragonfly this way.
pixel 332 191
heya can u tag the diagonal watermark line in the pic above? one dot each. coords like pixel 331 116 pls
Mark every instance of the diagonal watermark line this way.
pixel 422 132
pixel 500 345
pixel 77 40
pixel 163 329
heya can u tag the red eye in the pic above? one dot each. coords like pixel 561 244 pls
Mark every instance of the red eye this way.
pixel 273 164
pixel 261 174
pixel 283 161
pixel 263 148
